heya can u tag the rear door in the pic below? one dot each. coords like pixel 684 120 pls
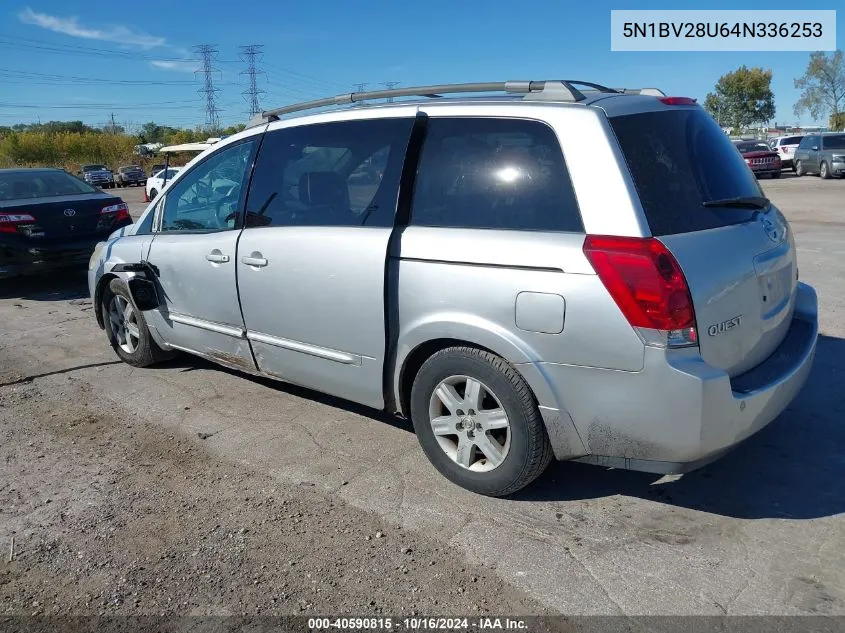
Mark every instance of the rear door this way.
pixel 312 258
pixel 739 261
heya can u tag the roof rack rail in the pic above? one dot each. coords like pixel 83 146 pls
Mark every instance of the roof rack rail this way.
pixel 559 89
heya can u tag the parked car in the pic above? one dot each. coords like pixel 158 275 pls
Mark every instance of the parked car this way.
pixel 156 183
pixel 156 168
pixel 51 219
pixel 130 175
pixel 785 146
pixel 822 154
pixel 761 158
pixel 98 175
pixel 516 305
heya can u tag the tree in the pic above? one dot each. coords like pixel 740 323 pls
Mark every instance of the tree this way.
pixel 822 86
pixel 742 98
pixel 836 123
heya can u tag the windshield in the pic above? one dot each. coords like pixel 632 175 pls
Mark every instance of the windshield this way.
pixel 93 167
pixel 837 141
pixel 679 160
pixel 753 146
pixel 18 185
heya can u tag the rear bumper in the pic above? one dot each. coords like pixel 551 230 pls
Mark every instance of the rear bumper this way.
pixel 680 413
pixel 16 260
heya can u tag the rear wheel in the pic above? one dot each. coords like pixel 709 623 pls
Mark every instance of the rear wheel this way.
pixel 799 168
pixel 153 194
pixel 477 422
pixel 127 329
pixel 824 170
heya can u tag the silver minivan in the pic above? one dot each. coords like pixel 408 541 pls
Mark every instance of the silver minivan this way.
pixel 584 274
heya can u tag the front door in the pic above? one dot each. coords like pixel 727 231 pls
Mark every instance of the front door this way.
pixel 312 258
pixel 813 162
pixel 194 250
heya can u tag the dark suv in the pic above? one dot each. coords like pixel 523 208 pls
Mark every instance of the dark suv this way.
pixel 822 154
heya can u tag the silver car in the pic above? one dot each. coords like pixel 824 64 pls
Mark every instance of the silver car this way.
pixel 584 274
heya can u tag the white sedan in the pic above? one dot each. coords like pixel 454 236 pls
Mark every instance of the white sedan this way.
pixel 156 182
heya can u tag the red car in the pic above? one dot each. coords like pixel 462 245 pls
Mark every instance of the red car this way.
pixel 760 157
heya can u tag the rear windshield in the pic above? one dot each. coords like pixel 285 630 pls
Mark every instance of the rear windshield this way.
pixel 836 141
pixel 679 160
pixel 791 140
pixel 19 185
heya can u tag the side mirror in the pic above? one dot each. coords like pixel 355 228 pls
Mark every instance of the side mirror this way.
pixel 815 148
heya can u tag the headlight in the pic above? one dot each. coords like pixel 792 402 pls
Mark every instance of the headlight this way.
pixel 94 261
pixel 838 158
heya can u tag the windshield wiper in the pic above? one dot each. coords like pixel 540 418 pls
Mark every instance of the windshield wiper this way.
pixel 746 202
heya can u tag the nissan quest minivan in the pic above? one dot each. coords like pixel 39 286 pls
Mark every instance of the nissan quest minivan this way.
pixel 558 270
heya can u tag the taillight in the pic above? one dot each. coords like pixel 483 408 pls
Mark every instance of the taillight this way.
pixel 9 222
pixel 678 100
pixel 646 283
pixel 116 211
pixel 111 214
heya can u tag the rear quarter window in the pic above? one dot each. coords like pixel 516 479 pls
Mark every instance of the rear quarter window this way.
pixel 678 160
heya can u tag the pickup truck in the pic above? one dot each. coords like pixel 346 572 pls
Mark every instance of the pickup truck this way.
pixel 97 175
pixel 130 175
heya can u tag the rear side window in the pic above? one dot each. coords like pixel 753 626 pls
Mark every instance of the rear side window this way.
pixel 679 160
pixel 836 141
pixel 493 174
pixel 331 174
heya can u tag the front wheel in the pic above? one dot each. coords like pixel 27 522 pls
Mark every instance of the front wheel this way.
pixel 127 329
pixel 477 422
pixel 799 168
pixel 775 174
pixel 153 194
pixel 824 170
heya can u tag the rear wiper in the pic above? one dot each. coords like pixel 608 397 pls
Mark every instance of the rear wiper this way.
pixel 750 202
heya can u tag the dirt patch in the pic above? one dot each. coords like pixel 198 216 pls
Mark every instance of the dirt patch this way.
pixel 112 516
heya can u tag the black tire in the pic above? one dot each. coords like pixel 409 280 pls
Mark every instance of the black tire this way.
pixel 824 170
pixel 147 352
pixel 530 451
pixel 799 168
pixel 153 194
pixel 775 174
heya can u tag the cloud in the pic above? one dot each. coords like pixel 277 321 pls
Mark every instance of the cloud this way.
pixel 71 26
pixel 181 66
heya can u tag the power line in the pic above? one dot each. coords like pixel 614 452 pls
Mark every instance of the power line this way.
pixel 206 53
pixel 249 54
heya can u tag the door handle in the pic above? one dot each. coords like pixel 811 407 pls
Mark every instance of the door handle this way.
pixel 255 259
pixel 217 258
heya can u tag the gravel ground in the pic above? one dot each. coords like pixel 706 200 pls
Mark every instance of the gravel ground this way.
pixel 111 516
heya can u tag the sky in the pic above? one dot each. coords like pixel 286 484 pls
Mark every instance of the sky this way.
pixel 63 62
